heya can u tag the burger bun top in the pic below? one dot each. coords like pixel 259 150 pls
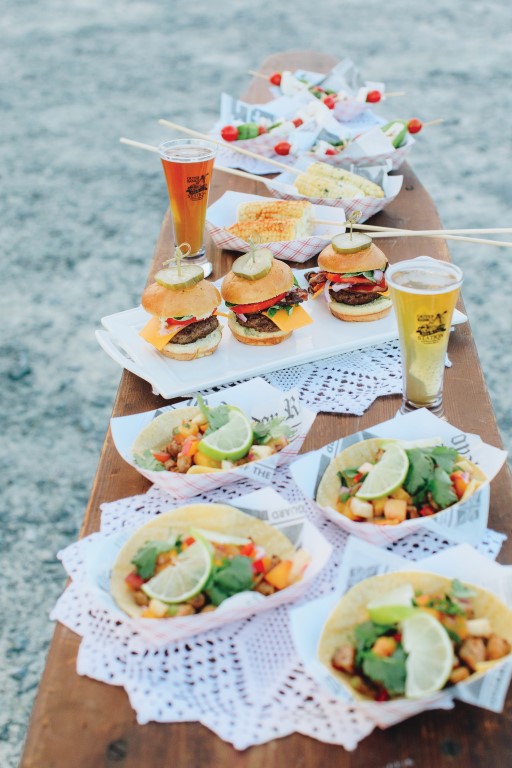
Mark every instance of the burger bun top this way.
pixel 199 301
pixel 361 261
pixel 238 290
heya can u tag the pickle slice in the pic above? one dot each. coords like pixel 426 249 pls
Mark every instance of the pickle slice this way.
pixel 347 243
pixel 253 265
pixel 181 278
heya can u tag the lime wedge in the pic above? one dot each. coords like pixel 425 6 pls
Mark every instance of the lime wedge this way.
pixel 387 475
pixel 178 279
pixel 430 660
pixel 394 606
pixel 347 243
pixel 219 538
pixel 184 578
pixel 231 441
pixel 253 265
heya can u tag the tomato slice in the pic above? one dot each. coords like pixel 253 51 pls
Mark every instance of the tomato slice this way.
pixel 172 321
pixel 358 282
pixel 259 306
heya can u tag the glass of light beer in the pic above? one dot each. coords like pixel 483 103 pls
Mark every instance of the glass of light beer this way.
pixel 424 292
pixel 188 166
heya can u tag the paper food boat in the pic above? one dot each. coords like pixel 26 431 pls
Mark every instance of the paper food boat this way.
pixel 257 399
pixel 463 522
pixel 361 560
pixel 99 552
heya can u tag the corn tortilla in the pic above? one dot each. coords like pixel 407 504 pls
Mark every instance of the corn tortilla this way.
pixel 212 517
pixel 352 610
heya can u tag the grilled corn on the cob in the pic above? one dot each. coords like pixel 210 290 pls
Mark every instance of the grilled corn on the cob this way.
pixel 313 185
pixel 276 209
pixel 340 174
pixel 267 230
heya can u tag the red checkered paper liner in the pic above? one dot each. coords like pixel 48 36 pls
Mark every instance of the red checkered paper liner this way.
pixel 224 212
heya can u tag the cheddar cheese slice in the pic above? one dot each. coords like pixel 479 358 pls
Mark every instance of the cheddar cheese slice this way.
pixel 285 322
pixel 151 333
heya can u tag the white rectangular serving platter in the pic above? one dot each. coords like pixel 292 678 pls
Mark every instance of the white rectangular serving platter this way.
pixel 234 361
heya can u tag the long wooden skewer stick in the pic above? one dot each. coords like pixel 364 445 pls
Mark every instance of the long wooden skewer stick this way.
pixel 375 229
pixel 230 145
pixel 233 171
pixel 440 234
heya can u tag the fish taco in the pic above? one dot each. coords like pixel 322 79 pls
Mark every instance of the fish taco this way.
pixel 412 634
pixel 385 481
pixel 191 559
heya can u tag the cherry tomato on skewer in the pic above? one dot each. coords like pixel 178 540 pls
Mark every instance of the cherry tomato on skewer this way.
pixel 372 97
pixel 283 148
pixel 229 133
pixel 275 79
pixel 414 125
pixel 329 102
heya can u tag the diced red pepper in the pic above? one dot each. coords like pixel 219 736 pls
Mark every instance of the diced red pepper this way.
pixel 398 637
pixel 247 549
pixel 189 541
pixel 161 456
pixel 297 122
pixel 189 446
pixel 426 510
pixel 382 695
pixel 134 581
pixel 330 152
pixel 258 566
pixel 358 477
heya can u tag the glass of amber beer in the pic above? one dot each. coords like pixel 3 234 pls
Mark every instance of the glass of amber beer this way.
pixel 188 166
pixel 424 292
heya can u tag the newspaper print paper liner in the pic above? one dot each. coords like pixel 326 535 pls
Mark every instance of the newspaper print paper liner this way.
pixel 244 681
pixel 100 551
pixel 223 213
pixel 362 561
pixel 256 398
pixel 368 206
pixel 463 522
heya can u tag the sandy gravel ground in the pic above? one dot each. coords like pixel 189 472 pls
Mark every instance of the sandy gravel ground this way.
pixel 81 215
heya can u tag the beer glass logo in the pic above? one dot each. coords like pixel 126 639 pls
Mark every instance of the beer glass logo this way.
pixel 197 186
pixel 430 329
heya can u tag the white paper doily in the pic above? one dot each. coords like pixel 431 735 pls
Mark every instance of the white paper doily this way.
pixel 347 383
pixel 245 681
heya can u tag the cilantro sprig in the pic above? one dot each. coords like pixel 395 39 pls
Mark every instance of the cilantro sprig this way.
pixel 273 429
pixel 229 578
pixel 145 558
pixel 429 473
pixel 216 417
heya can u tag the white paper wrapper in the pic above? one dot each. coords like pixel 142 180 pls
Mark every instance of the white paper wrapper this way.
pixel 258 400
pixel 282 186
pixel 463 522
pixel 223 213
pixel 361 561
pixel 100 551
pixel 370 148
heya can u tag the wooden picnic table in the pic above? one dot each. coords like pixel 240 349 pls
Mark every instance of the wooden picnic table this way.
pixel 80 723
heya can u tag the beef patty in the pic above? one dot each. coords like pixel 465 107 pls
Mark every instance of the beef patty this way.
pixel 196 331
pixel 354 298
pixel 258 322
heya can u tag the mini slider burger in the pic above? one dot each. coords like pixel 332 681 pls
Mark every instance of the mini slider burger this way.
pixel 184 307
pixel 352 278
pixel 264 299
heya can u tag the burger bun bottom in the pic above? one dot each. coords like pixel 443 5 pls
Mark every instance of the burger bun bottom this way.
pixel 200 348
pixel 362 313
pixel 256 338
